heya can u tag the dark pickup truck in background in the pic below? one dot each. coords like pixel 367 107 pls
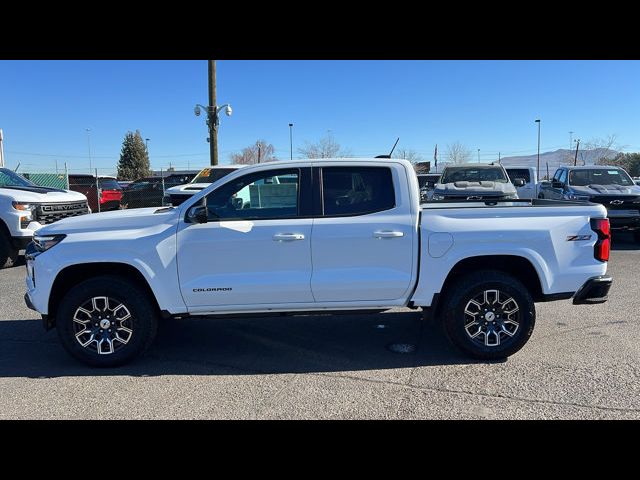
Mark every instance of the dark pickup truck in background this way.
pixel 609 186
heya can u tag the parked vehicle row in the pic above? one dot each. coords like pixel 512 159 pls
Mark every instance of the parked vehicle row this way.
pixel 181 192
pixel 150 191
pixel 608 186
pixel 309 236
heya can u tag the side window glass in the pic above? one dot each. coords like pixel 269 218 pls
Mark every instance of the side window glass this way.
pixel 256 196
pixel 357 190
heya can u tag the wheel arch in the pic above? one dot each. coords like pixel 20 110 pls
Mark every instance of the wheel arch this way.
pixel 515 265
pixel 73 275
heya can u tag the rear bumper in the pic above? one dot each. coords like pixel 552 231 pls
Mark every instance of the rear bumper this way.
pixel 594 290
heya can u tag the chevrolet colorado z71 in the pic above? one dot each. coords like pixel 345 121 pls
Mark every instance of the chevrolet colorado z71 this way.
pixel 315 236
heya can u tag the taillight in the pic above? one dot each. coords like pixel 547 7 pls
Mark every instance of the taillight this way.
pixel 603 246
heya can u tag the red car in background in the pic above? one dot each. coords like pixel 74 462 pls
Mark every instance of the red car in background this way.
pixel 108 188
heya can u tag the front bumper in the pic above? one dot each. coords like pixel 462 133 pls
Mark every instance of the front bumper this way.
pixel 594 290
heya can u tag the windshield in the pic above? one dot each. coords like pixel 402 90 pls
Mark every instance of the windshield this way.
pixel 582 178
pixel 12 179
pixel 210 175
pixel 470 174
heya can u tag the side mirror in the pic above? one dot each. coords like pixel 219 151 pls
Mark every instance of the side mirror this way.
pixel 519 182
pixel 557 185
pixel 198 214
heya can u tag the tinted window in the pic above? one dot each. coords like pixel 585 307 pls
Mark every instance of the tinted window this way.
pixel 256 196
pixel 471 174
pixel 109 184
pixel 600 176
pixel 563 176
pixel 210 175
pixel 519 173
pixel 357 190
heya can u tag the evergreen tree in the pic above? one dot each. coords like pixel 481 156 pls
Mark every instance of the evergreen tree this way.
pixel 134 158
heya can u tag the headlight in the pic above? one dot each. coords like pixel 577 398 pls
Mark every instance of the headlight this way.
pixel 437 196
pixel 45 242
pixel 572 196
pixel 23 207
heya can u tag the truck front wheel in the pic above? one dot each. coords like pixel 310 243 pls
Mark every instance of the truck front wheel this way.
pixel 488 314
pixel 8 253
pixel 106 321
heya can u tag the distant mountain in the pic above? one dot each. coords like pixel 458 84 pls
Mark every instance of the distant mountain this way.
pixel 561 156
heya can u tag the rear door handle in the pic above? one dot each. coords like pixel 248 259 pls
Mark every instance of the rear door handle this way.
pixel 388 234
pixel 288 237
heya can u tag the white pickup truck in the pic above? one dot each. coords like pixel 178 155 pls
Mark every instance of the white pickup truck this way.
pixel 25 207
pixel 329 235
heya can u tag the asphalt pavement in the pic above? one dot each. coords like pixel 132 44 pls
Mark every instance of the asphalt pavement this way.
pixel 582 362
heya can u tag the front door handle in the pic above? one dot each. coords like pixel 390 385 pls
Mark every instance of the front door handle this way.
pixel 388 234
pixel 288 237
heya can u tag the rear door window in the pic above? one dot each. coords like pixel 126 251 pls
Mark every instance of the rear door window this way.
pixel 356 190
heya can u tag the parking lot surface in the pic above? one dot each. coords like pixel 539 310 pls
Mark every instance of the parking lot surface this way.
pixel 582 362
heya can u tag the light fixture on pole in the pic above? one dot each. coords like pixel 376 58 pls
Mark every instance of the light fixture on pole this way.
pixel 291 141
pixel 538 167
pixel 213 120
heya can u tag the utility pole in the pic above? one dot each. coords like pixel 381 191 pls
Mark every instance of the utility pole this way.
pixel 259 152
pixel 213 128
pixel 575 159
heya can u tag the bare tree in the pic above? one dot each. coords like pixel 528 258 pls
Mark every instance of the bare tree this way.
pixel 408 154
pixel 259 151
pixel 593 151
pixel 457 153
pixel 326 147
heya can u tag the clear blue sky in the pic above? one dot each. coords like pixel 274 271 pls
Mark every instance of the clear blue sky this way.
pixel 47 105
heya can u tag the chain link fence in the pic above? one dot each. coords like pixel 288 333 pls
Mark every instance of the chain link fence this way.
pixel 102 188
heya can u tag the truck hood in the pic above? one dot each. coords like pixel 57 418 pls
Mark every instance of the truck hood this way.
pixel 40 195
pixel 475 188
pixel 129 219
pixel 594 189
pixel 188 189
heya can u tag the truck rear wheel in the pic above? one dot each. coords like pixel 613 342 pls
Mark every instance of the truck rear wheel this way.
pixel 8 253
pixel 488 315
pixel 106 321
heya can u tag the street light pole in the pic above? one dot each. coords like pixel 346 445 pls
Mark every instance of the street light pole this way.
pixel 538 167
pixel 146 144
pixel 213 122
pixel 291 141
pixel 575 159
pixel 89 144
pixel 478 155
